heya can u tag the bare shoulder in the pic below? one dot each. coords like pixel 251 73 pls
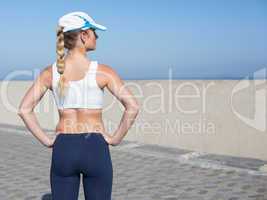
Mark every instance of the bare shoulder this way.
pixel 109 74
pixel 106 69
pixel 46 76
pixel 47 70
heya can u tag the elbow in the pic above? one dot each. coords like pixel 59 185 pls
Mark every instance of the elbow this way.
pixel 21 112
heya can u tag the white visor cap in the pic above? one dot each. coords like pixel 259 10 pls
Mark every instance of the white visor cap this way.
pixel 78 20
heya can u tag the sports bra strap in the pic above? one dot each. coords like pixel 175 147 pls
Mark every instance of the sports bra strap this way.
pixel 93 67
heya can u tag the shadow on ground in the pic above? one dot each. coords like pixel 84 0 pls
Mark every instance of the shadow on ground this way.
pixel 47 196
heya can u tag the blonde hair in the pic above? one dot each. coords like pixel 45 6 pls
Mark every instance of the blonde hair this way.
pixel 64 40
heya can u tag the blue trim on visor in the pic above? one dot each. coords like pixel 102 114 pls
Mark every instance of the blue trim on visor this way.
pixel 86 22
pixel 86 25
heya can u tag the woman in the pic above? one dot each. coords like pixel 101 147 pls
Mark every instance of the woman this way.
pixel 81 144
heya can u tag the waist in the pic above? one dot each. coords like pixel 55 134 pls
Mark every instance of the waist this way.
pixel 74 125
pixel 78 134
pixel 72 121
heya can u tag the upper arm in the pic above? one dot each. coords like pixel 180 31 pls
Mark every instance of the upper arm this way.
pixel 36 91
pixel 118 88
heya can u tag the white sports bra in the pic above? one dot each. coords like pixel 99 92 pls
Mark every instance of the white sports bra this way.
pixel 83 93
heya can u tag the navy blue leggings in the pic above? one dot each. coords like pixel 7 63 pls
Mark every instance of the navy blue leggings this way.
pixel 81 153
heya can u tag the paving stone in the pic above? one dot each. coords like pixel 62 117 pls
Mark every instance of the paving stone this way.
pixel 240 162
pixel 141 172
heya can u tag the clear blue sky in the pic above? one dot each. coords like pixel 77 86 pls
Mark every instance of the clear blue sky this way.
pixel 204 39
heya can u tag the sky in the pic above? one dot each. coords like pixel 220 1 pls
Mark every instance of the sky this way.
pixel 145 39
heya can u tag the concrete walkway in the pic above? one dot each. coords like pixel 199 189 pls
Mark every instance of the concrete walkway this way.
pixel 140 172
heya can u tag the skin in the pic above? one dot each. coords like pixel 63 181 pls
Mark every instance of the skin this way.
pixel 73 120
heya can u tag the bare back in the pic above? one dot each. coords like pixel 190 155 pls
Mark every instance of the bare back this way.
pixel 77 120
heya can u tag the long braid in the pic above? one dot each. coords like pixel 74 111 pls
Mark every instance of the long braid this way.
pixel 60 60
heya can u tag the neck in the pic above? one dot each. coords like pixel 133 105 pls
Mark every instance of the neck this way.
pixel 76 53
